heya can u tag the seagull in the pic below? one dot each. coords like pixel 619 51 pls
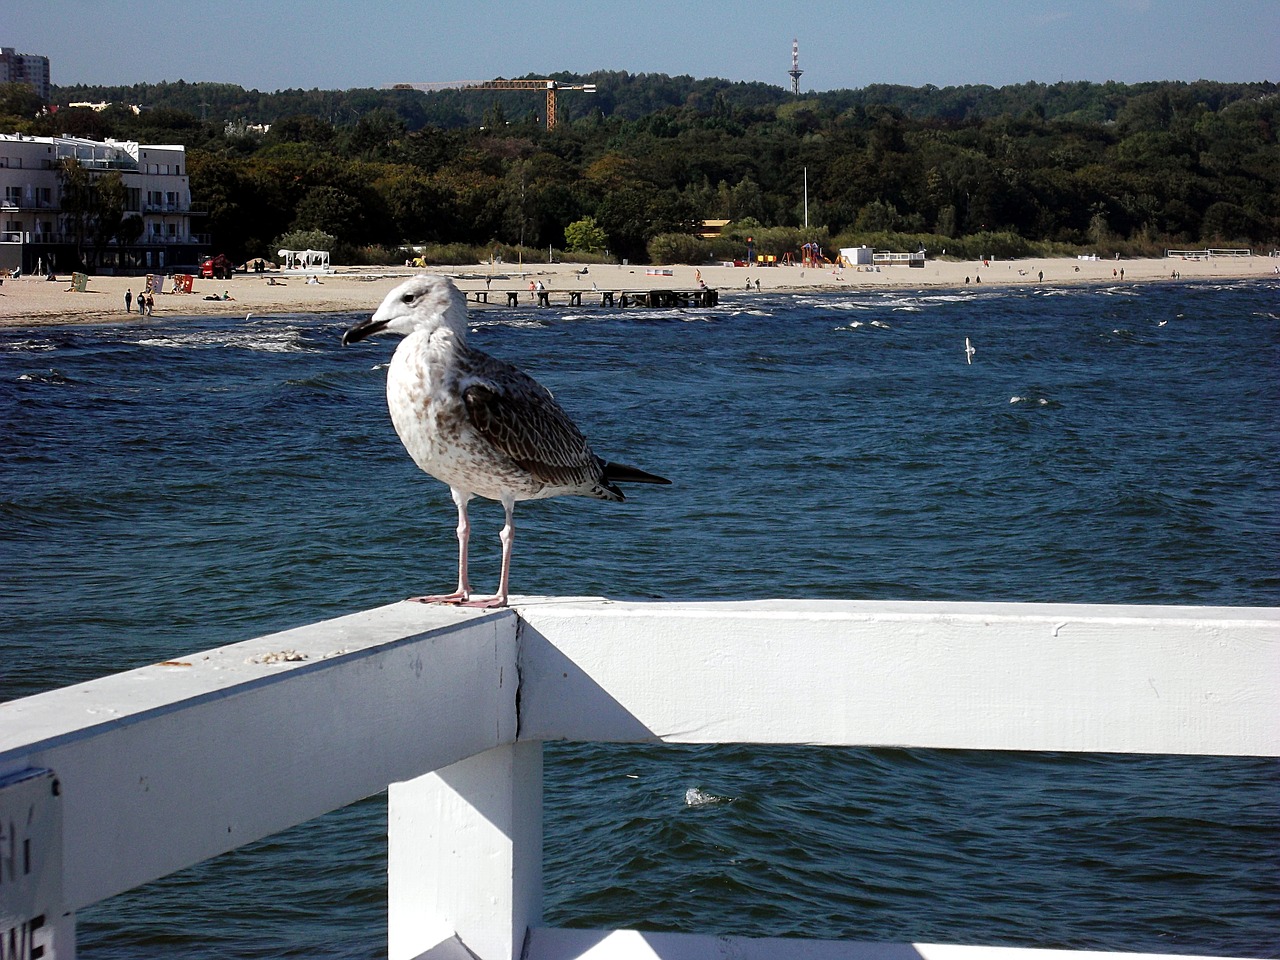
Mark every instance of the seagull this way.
pixel 479 424
pixel 969 351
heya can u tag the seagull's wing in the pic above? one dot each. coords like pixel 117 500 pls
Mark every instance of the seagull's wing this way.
pixel 521 419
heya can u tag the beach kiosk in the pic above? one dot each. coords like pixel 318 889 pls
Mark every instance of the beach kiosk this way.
pixel 305 261
pixel 855 256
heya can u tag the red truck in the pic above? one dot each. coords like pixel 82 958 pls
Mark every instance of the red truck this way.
pixel 217 268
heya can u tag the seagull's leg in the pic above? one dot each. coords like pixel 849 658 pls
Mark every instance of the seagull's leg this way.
pixel 460 498
pixel 507 536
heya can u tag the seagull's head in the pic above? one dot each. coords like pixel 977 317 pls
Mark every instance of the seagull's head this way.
pixel 425 302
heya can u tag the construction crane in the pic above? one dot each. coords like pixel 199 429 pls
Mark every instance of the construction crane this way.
pixel 551 86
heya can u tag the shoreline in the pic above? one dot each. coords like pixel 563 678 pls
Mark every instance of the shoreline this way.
pixel 36 302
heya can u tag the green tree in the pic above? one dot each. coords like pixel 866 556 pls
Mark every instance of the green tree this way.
pixel 92 207
pixel 108 211
pixel 413 203
pixel 19 101
pixel 305 240
pixel 328 210
pixel 652 154
pixel 585 235
pixel 376 135
pixel 301 129
pixel 678 248
pixel 130 230
pixel 878 215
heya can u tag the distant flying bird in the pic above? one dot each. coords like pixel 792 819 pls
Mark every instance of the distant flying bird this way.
pixel 478 423
pixel 969 351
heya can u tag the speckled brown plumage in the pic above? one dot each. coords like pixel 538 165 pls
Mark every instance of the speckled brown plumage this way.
pixel 478 423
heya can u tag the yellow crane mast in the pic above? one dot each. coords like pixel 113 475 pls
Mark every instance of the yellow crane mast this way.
pixel 551 86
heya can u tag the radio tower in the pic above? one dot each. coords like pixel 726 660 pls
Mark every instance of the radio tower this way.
pixel 795 67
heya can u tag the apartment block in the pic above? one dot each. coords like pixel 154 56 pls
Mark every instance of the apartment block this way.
pixel 38 235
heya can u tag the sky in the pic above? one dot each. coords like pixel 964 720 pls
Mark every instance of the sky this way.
pixel 327 44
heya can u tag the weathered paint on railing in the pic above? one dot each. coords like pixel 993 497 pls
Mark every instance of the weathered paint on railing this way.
pixel 982 676
pixel 207 752
pixel 210 751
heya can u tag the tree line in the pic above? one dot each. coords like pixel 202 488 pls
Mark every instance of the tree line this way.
pixel 637 167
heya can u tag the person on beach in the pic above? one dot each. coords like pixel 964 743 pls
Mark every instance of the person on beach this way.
pixel 128 300
pixel 142 303
pixel 151 304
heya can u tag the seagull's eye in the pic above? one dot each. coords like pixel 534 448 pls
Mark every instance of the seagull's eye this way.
pixel 408 298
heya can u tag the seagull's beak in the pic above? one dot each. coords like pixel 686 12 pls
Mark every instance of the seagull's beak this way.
pixel 365 328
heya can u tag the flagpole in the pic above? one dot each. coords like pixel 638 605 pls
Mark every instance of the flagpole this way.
pixel 806 198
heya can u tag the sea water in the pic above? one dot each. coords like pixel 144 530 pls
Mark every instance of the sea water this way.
pixel 180 483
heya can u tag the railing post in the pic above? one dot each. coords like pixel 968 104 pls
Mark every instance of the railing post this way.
pixel 464 860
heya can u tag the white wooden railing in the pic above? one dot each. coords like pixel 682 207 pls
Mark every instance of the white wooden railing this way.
pixel 110 784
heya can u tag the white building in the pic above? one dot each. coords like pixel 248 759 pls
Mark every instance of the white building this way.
pixel 37 234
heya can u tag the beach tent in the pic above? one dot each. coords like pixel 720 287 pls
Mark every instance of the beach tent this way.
pixel 305 261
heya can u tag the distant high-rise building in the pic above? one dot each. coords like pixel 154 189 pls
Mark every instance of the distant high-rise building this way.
pixel 27 68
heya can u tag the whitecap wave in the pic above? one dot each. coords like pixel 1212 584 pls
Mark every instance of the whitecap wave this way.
pixel 1034 401
pixel 48 377
pixel 32 346
pixel 697 797
pixel 261 339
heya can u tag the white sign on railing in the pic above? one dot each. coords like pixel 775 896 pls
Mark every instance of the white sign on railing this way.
pixel 30 864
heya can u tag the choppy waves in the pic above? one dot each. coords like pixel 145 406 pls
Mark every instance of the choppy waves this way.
pixel 194 482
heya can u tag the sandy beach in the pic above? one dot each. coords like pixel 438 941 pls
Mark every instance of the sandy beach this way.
pixel 34 301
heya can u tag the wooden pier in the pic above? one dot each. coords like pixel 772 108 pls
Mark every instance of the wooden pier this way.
pixel 666 299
